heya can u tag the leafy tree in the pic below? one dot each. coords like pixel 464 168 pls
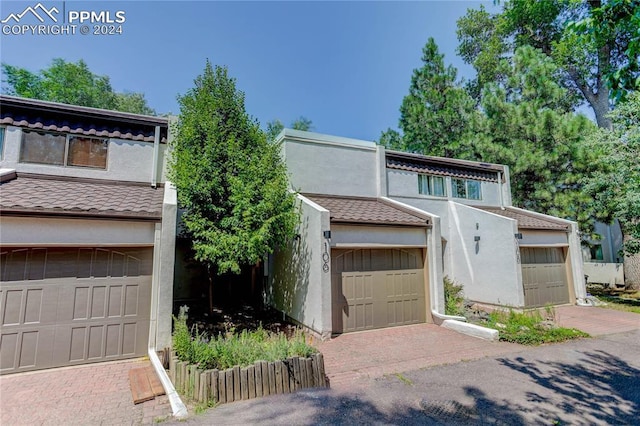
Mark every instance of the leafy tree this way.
pixel 528 124
pixel 435 113
pixel 74 84
pixel 231 182
pixel 595 44
pixel 615 185
pixel 274 127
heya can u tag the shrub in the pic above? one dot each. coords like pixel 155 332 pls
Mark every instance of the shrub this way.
pixel 231 349
pixel 530 328
pixel 453 298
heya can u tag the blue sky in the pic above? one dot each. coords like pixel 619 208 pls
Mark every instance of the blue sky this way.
pixel 344 65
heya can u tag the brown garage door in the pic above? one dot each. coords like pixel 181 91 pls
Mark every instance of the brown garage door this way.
pixel 66 306
pixel 544 276
pixel 375 288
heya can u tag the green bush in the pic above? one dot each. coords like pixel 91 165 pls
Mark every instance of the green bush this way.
pixel 530 328
pixel 231 349
pixel 453 298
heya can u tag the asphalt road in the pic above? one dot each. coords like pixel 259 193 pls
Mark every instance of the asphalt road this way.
pixel 585 382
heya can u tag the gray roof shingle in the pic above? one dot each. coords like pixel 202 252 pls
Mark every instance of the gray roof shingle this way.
pixel 38 194
pixel 367 210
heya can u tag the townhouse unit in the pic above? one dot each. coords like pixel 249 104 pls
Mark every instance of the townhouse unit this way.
pixel 381 229
pixel 87 235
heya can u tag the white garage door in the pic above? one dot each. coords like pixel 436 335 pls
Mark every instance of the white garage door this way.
pixel 67 306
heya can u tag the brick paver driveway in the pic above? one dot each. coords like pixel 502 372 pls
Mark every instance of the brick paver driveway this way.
pixel 95 394
pixel 353 357
pixel 597 321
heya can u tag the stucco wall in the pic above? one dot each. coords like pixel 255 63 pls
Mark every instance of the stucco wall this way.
pixel 488 269
pixel 542 238
pixel 298 284
pixel 405 184
pixel 321 167
pixel 372 236
pixel 127 160
pixel 29 231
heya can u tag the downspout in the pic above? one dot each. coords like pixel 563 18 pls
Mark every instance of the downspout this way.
pixel 178 408
pixel 156 150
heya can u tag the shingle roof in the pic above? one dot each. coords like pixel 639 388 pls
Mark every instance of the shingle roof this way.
pixel 367 210
pixel 527 220
pixel 38 194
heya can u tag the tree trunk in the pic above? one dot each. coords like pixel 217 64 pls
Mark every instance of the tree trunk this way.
pixel 600 105
pixel 631 268
pixel 211 274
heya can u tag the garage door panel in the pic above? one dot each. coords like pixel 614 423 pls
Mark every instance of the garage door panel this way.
pixel 544 276
pixel 66 320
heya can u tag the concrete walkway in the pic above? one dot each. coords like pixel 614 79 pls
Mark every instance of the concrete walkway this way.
pixel 95 394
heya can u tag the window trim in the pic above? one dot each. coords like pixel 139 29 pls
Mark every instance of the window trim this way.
pixel 429 182
pixel 466 183
pixel 67 141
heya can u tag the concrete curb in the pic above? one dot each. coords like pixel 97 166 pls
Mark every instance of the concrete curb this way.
pixel 471 329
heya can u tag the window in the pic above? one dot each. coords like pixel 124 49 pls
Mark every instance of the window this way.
pixel 466 188
pixel 431 185
pixel 63 150
pixel 596 252
pixel 1 143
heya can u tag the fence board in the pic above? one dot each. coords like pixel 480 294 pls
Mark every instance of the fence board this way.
pixel 229 379
pixel 264 366
pixel 278 374
pixel 197 387
pixel 296 374
pixel 236 384
pixel 251 381
pixel 309 368
pixel 272 378
pixel 323 379
pixel 285 377
pixel 214 386
pixel 244 383
pixel 222 387
pixel 303 373
pixel 258 368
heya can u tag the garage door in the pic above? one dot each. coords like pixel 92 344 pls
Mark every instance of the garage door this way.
pixel 375 288
pixel 67 306
pixel 544 276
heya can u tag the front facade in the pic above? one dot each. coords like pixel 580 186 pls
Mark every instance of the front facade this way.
pixel 87 235
pixel 381 229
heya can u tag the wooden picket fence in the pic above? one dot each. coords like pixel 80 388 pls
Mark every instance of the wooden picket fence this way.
pixel 260 379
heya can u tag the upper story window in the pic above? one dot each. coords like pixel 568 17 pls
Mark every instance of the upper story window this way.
pixel 432 185
pixel 63 150
pixel 1 143
pixel 466 188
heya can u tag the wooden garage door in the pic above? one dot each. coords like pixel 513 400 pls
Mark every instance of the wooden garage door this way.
pixel 67 306
pixel 375 288
pixel 544 276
